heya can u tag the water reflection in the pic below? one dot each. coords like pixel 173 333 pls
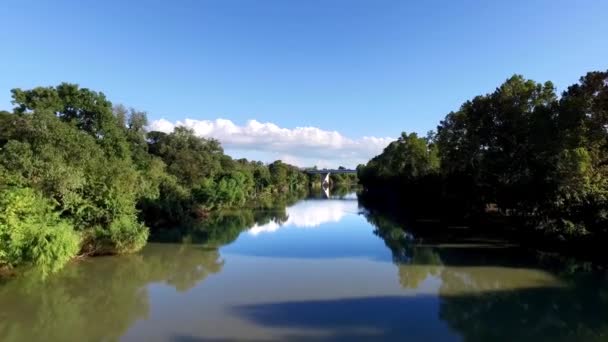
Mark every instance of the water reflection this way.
pixel 222 227
pixel 309 214
pixel 98 299
pixel 490 292
pixel 353 277
pixel 533 308
pixel 326 191
pixel 313 228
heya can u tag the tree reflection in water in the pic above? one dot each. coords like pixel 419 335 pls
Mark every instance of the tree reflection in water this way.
pixel 490 293
pixel 221 227
pixel 100 298
pixel 472 292
pixel 94 300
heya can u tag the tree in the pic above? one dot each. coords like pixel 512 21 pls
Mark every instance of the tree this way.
pixel 190 158
pixel 88 110
pixel 405 159
pixel 542 161
pixel 73 151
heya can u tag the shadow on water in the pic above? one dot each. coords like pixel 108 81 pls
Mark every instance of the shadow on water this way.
pixel 186 338
pixel 554 313
pixel 386 318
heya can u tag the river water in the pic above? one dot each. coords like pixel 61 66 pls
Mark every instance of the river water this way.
pixel 319 270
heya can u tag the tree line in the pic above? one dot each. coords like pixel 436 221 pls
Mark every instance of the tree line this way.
pixel 536 159
pixel 79 176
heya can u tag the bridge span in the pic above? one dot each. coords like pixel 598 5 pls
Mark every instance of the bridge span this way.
pixel 328 172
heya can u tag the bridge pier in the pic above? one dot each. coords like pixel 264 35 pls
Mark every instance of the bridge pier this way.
pixel 327 180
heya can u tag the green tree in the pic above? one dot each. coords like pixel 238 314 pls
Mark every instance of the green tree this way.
pixel 542 161
pixel 72 149
pixel 190 158
pixel 406 159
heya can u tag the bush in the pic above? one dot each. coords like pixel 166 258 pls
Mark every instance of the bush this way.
pixel 32 232
pixel 124 235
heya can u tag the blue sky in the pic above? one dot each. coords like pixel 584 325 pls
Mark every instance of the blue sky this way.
pixel 345 69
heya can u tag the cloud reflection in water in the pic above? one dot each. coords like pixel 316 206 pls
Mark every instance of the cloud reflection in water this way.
pixel 310 214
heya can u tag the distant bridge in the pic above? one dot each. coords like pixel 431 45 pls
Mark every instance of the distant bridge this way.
pixel 328 172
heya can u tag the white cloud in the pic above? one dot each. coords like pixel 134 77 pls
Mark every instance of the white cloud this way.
pixel 303 146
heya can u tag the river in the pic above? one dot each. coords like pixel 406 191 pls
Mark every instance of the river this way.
pixel 319 270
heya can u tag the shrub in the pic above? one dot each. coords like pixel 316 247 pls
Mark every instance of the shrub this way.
pixel 32 232
pixel 124 235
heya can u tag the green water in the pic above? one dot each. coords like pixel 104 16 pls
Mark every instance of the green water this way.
pixel 316 271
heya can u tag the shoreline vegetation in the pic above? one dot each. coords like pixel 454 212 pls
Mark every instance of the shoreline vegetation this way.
pixel 81 177
pixel 520 162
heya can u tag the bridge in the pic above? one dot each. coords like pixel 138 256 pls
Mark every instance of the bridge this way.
pixel 328 172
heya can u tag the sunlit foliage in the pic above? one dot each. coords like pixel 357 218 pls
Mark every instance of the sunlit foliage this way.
pixel 86 177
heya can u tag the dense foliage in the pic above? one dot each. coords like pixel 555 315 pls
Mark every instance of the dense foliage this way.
pixel 31 231
pixel 79 176
pixel 523 152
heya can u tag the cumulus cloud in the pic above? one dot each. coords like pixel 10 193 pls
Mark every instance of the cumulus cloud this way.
pixel 301 145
